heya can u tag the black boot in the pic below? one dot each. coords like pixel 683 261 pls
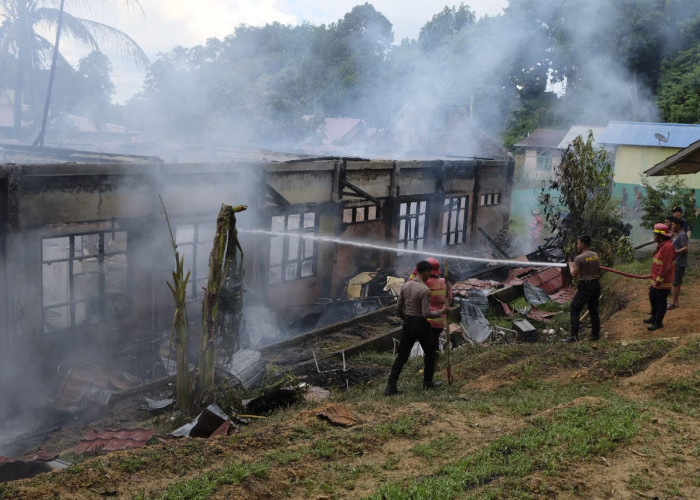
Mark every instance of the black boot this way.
pixel 431 385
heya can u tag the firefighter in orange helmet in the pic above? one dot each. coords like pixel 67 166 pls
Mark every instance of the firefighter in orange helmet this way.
pixel 440 298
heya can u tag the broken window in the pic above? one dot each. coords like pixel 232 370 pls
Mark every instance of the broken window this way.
pixel 293 256
pixel 489 199
pixel 84 279
pixel 454 221
pixel 352 215
pixel 194 242
pixel 413 217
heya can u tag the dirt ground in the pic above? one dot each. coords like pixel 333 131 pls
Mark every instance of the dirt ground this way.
pixel 662 461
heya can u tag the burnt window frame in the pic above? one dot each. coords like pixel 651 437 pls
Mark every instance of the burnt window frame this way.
pixel 490 199
pixel 197 282
pixel 408 224
pixel 454 236
pixel 302 259
pixel 101 296
pixel 355 210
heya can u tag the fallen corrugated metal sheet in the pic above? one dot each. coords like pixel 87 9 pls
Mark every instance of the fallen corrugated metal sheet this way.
pixel 246 366
pixel 564 295
pixel 39 456
pixel 542 316
pixel 212 421
pixel 121 439
pixel 90 385
pixel 549 279
pixel 29 465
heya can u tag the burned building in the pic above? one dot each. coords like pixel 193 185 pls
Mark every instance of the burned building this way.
pixel 85 251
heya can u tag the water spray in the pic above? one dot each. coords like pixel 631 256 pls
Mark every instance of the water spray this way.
pixel 361 244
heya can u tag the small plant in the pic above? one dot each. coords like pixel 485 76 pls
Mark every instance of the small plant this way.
pixel 130 464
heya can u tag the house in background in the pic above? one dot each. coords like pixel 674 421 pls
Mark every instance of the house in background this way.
pixel 583 131
pixel 539 153
pixel 638 146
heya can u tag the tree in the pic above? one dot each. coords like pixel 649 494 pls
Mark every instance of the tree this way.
pixel 21 39
pixel 679 91
pixel 444 24
pixel 657 201
pixel 578 201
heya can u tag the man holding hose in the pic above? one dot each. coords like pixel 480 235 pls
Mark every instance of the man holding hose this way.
pixel 662 274
pixel 585 267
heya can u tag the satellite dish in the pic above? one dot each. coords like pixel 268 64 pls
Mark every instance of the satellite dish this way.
pixel 662 138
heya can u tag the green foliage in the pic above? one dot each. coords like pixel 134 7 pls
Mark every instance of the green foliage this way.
pixel 659 199
pixel 578 201
pixel 679 91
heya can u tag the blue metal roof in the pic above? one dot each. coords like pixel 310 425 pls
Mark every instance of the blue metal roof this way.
pixel 677 135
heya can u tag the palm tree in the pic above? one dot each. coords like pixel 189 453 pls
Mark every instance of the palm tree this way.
pixel 22 43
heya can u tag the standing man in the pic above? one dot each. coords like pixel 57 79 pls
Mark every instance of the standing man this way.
pixel 680 245
pixel 677 212
pixel 413 307
pixel 440 297
pixel 662 267
pixel 585 266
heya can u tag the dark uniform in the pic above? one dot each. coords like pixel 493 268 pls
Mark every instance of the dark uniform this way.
pixel 588 293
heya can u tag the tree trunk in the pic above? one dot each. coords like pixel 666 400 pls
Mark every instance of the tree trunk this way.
pixel 222 261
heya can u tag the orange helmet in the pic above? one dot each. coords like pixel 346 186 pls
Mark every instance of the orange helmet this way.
pixel 436 265
pixel 662 229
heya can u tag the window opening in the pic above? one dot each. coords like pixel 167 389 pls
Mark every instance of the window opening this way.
pixel 454 220
pixel 293 256
pixel 84 279
pixel 412 224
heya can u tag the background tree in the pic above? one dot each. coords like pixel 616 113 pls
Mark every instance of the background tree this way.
pixel 658 200
pixel 578 201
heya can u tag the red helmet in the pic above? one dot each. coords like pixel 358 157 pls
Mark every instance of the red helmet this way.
pixel 436 265
pixel 662 229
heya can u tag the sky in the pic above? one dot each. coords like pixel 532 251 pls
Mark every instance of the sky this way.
pixel 165 24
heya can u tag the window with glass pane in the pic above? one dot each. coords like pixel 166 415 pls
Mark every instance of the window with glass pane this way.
pixel 412 222
pixel 292 256
pixel 84 279
pixel 454 221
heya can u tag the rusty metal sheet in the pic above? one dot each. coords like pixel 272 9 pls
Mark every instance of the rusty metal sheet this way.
pixel 550 279
pixel 121 439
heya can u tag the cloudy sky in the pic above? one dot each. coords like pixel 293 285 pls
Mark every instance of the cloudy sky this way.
pixel 165 24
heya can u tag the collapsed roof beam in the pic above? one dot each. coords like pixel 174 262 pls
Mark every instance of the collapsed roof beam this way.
pixel 356 192
pixel 275 197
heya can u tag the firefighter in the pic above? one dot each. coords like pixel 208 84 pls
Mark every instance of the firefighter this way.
pixel 440 298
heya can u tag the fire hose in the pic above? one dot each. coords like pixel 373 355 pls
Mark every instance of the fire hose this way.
pixel 628 275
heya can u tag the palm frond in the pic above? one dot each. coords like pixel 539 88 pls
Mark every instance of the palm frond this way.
pixel 122 42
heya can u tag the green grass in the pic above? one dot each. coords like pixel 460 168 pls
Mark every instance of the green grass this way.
pixel 203 486
pixel 580 433
pixel 689 352
pixel 634 358
pixel 682 396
